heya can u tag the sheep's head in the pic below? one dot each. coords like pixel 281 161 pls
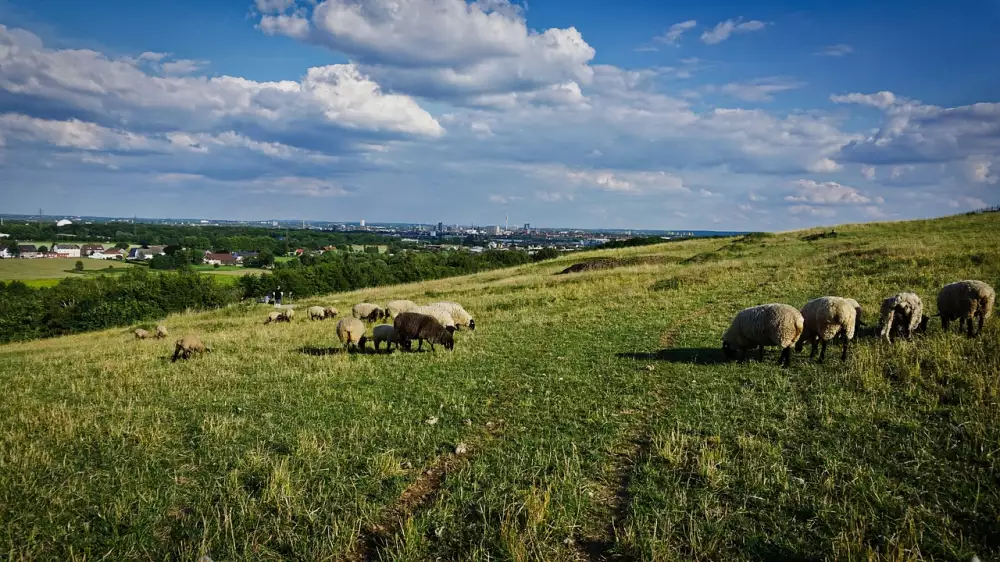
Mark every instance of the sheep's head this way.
pixel 728 350
pixel 451 329
pixel 472 324
pixel 448 340
pixel 922 329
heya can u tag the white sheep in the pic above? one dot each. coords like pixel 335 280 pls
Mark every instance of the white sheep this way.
pixel 385 333
pixel 316 312
pixel 903 313
pixel 858 320
pixel 764 325
pixel 351 331
pixel 141 334
pixel 458 313
pixel 161 332
pixel 965 301
pixel 397 307
pixel 367 311
pixel 439 314
pixel 825 318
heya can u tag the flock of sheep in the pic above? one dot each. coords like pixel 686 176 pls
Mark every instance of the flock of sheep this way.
pixel 434 323
pixel 823 319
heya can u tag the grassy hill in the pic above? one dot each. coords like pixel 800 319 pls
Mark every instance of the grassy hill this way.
pixel 599 420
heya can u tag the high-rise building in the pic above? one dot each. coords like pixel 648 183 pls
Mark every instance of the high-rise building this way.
pixel 362 223
pixel 527 226
pixel 493 230
pixel 440 227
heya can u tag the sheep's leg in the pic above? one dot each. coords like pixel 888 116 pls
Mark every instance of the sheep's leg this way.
pixel 822 352
pixel 944 323
pixel 420 346
pixel 760 353
pixel 982 318
pixel 432 344
pixel 843 354
pixel 812 353
pixel 176 353
pixel 969 329
pixel 786 357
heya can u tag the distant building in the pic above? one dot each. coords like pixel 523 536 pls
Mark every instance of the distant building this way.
pixel 440 227
pixel 219 259
pixel 66 250
pixel 145 253
pixel 240 256
pixel 64 222
pixel 362 223
pixel 5 252
pixel 108 254
pixel 28 251
pixel 493 230
pixel 88 249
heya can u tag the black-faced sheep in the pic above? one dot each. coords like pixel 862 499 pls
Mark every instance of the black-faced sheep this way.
pixel 458 314
pixel 188 345
pixel 351 331
pixel 439 314
pixel 416 326
pixel 397 307
pixel 141 334
pixel 965 301
pixel 330 312
pixel 901 314
pixel 772 324
pixel 316 312
pixel 385 333
pixel 367 311
pixel 826 318
pixel 161 332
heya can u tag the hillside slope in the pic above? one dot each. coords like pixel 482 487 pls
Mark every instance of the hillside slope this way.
pixel 598 417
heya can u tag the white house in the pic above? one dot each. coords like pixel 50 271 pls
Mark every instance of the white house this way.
pixel 5 253
pixel 67 250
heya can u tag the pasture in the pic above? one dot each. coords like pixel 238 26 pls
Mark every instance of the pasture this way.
pixel 54 268
pixel 597 420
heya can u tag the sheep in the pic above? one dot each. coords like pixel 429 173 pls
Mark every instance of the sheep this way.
pixel 858 321
pixel 351 331
pixel 288 314
pixel 766 324
pixel 439 314
pixel 413 325
pixel 161 332
pixel 458 313
pixel 396 307
pixel 367 311
pixel 965 301
pixel 316 312
pixel 385 333
pixel 330 312
pixel 903 313
pixel 274 317
pixel 826 317
pixel 141 334
pixel 188 345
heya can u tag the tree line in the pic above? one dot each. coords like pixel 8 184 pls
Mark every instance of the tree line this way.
pixel 141 295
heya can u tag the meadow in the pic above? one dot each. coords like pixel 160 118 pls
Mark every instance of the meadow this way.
pixel 596 417
pixel 54 268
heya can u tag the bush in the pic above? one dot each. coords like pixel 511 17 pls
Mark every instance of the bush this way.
pixel 78 266
pixel 545 254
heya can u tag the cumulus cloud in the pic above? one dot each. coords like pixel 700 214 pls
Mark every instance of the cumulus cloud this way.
pixel 868 172
pixel 673 35
pixel 812 211
pixel 881 100
pixel 838 50
pixel 727 28
pixel 761 89
pixel 441 48
pixel 826 193
pixel 183 66
pixel 824 165
pixel 979 169
pixel 71 133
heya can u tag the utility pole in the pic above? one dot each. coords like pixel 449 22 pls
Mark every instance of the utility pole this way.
pixel 39 216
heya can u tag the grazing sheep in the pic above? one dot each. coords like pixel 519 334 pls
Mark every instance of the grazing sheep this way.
pixel 274 317
pixel 965 301
pixel 767 324
pixel 397 307
pixel 288 314
pixel 858 321
pixel 188 345
pixel 413 325
pixel 458 313
pixel 316 312
pixel 351 331
pixel 330 312
pixel 901 313
pixel 385 333
pixel 825 318
pixel 161 332
pixel 367 311
pixel 439 314
pixel 141 334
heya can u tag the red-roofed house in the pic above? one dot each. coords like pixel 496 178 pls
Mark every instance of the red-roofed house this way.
pixel 219 259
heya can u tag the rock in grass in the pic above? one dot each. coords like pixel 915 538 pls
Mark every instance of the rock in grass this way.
pixel 461 449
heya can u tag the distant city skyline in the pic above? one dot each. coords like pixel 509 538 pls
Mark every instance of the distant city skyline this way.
pixel 682 115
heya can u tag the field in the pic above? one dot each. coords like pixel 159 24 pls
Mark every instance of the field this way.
pixel 53 268
pixel 597 418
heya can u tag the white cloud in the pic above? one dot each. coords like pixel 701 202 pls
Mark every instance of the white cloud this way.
pixel 839 50
pixel 979 169
pixel 812 211
pixel 760 89
pixel 868 172
pixel 504 199
pixel 442 48
pixel 627 182
pixel 183 66
pixel 273 6
pixel 71 133
pixel 673 35
pixel 881 100
pixel 725 29
pixel 826 193
pixel 824 165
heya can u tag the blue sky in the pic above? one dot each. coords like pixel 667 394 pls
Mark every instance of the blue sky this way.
pixel 638 114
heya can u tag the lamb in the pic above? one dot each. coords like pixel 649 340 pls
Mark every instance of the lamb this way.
pixel 825 318
pixel 385 333
pixel 413 325
pixel 439 314
pixel 396 307
pixel 188 345
pixel 367 311
pixel 458 313
pixel 351 331
pixel 965 301
pixel 767 324
pixel 316 312
pixel 330 312
pixel 903 313
pixel 141 334
pixel 161 332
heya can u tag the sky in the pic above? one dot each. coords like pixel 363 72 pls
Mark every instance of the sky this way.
pixel 634 114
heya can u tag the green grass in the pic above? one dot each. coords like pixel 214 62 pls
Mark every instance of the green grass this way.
pixel 52 268
pixel 599 421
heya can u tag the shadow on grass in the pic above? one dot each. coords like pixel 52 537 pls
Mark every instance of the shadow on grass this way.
pixel 693 355
pixel 321 351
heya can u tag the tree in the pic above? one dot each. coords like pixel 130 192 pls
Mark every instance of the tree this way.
pixel 547 253
pixel 263 259
pixel 122 245
pixel 43 249
pixel 78 266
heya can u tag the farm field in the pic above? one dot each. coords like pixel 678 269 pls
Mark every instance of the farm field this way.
pixel 597 417
pixel 53 268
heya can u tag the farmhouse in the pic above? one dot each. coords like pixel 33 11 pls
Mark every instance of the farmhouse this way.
pixel 145 253
pixel 219 259
pixel 108 254
pixel 28 251
pixel 5 252
pixel 88 249
pixel 66 250
pixel 240 256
